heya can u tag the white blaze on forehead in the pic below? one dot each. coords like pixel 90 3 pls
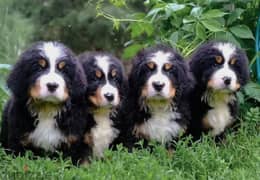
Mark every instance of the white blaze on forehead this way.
pixel 227 50
pixel 52 52
pixel 160 58
pixel 103 63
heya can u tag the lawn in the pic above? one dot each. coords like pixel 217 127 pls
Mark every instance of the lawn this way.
pixel 238 157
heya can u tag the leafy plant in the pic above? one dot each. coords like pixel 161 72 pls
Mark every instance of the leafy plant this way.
pixel 185 24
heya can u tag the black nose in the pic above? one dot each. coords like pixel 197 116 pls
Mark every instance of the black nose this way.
pixel 158 85
pixel 227 80
pixel 52 86
pixel 109 96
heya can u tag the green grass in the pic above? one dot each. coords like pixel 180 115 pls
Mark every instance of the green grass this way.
pixel 237 158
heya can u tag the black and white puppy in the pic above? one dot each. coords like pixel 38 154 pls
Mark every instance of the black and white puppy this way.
pixel 44 112
pixel 220 70
pixel 106 89
pixel 157 105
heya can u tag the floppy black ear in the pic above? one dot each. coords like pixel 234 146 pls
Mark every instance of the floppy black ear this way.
pixel 185 79
pixel 244 74
pixel 78 84
pixel 134 78
pixel 18 80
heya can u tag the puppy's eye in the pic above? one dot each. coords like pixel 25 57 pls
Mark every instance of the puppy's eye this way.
pixel 219 59
pixel 42 63
pixel 151 65
pixel 233 61
pixel 61 65
pixel 98 74
pixel 113 73
pixel 167 66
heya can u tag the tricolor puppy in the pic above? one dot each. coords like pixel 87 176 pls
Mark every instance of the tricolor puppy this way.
pixel 220 69
pixel 106 89
pixel 44 113
pixel 157 105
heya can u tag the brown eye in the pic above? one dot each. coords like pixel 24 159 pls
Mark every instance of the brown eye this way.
pixel 98 74
pixel 219 59
pixel 61 65
pixel 151 65
pixel 42 63
pixel 167 66
pixel 233 61
pixel 113 73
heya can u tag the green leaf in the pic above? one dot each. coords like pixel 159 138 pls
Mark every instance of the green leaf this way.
pixel 148 28
pixel 200 31
pixel 131 50
pixel 213 13
pixel 235 15
pixel 196 11
pixel 242 31
pixel 175 7
pixel 213 25
pixel 136 29
pixel 253 90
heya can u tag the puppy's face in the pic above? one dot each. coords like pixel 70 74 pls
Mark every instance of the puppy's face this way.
pixel 159 76
pixel 159 72
pixel 46 72
pixel 222 66
pixel 49 83
pixel 105 79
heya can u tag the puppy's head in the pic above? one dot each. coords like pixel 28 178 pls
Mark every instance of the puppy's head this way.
pixel 105 77
pixel 220 66
pixel 158 72
pixel 47 72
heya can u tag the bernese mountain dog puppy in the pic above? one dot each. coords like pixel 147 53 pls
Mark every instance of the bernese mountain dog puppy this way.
pixel 220 70
pixel 157 106
pixel 44 113
pixel 105 92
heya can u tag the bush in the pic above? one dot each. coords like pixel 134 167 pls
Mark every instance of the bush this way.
pixel 185 24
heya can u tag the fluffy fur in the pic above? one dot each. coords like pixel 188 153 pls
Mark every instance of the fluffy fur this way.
pixel 220 70
pixel 44 113
pixel 156 107
pixel 105 92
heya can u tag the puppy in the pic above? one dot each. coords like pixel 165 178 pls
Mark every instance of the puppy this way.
pixel 44 113
pixel 106 89
pixel 220 70
pixel 157 105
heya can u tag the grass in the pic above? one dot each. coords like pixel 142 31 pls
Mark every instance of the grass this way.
pixel 237 158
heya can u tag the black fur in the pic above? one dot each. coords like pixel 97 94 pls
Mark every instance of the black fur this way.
pixel 132 113
pixel 203 65
pixel 18 121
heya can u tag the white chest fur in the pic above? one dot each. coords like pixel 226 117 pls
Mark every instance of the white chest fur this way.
pixel 103 133
pixel 219 116
pixel 161 126
pixel 46 135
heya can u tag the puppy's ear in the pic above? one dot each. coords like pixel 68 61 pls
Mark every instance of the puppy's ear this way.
pixel 185 79
pixel 79 83
pixel 244 74
pixel 134 76
pixel 19 77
